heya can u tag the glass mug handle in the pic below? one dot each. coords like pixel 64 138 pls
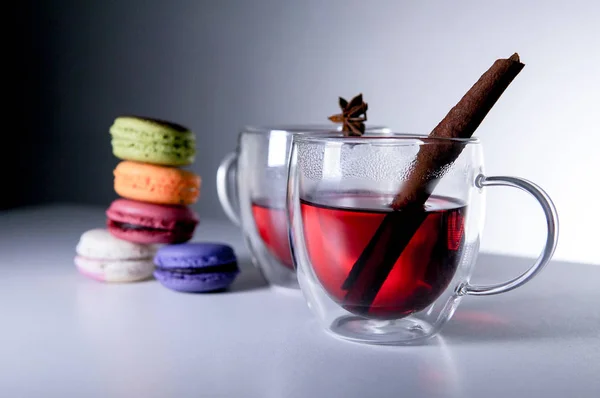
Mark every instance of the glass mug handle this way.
pixel 551 239
pixel 226 168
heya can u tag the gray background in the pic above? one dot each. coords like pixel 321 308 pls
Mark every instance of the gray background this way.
pixel 218 65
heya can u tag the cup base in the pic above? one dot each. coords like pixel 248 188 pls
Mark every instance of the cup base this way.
pixel 288 288
pixel 282 281
pixel 373 331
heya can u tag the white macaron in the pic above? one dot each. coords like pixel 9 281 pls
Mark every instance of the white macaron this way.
pixel 105 258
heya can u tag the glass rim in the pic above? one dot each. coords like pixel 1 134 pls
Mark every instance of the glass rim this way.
pixel 388 138
pixel 309 128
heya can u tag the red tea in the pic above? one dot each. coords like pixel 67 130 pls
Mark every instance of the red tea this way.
pixel 272 225
pixel 338 228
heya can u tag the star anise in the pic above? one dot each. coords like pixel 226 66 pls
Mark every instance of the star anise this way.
pixel 353 116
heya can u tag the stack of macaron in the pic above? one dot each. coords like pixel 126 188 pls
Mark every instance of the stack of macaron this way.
pixel 155 192
pixel 153 211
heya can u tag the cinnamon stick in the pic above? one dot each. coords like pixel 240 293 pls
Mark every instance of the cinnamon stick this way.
pixel 460 122
pixel 396 230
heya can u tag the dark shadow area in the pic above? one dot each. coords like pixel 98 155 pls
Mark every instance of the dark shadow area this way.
pixel 21 86
pixel 546 307
pixel 249 278
pixel 523 318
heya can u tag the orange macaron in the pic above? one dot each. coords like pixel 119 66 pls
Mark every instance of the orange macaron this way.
pixel 156 184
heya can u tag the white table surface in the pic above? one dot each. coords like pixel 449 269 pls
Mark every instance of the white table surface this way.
pixel 62 335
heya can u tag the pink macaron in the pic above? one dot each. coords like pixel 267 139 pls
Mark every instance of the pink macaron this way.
pixel 141 222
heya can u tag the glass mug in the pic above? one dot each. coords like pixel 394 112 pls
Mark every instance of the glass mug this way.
pixel 252 187
pixel 379 276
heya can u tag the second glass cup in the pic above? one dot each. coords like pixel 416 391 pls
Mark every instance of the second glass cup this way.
pixel 252 187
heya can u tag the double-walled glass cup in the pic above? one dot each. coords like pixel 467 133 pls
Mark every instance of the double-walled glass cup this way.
pixel 252 184
pixel 376 275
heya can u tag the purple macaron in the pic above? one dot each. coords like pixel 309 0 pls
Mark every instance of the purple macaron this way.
pixel 196 267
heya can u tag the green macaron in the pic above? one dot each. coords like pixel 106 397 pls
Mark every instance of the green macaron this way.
pixel 152 141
